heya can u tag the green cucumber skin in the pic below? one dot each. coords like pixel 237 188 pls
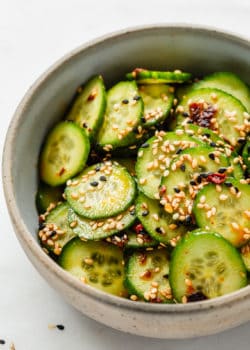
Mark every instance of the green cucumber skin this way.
pixel 226 130
pixel 54 179
pixel 85 231
pixel 100 214
pixel 130 138
pixel 158 77
pixel 76 114
pixel 187 240
pixel 75 265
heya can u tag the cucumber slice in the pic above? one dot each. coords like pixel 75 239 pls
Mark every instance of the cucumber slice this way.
pixel 64 153
pixel 94 230
pixel 159 224
pixel 98 264
pixel 205 266
pixel 47 195
pixel 155 155
pixel 147 276
pixel 212 139
pixel 144 76
pixel 245 254
pixel 216 110
pixel 101 191
pixel 89 106
pixel 187 174
pixel 55 232
pixel 226 211
pixel 228 82
pixel 158 101
pixel 123 115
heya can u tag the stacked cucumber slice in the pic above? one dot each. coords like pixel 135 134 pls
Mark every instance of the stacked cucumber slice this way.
pixel 144 189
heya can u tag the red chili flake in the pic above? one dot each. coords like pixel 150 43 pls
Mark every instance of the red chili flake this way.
pixel 200 115
pixel 136 71
pixel 142 258
pixel 62 171
pixel 138 228
pixel 163 190
pixel 157 300
pixel 216 178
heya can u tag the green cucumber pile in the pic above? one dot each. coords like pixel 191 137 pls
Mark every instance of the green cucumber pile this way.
pixel 144 188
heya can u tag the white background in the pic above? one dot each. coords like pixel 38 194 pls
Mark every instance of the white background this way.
pixel 33 34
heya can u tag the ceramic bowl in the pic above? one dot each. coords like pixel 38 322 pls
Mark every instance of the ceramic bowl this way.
pixel 189 48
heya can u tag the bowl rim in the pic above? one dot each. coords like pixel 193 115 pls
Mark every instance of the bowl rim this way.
pixel 32 247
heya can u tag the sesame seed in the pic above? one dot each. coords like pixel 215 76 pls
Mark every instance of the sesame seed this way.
pixel 89 261
pixel 133 297
pixel 73 224
pixel 94 183
pixel 223 197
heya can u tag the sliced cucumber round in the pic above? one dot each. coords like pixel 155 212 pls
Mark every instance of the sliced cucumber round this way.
pixel 55 232
pixel 158 101
pixel 122 117
pixel 159 224
pixel 205 266
pixel 187 174
pixel 101 191
pixel 228 82
pixel 226 211
pixel 147 275
pixel 97 264
pixel 154 158
pixel 144 76
pixel 64 153
pixel 88 108
pixel 102 228
pixel 47 195
pixel 216 110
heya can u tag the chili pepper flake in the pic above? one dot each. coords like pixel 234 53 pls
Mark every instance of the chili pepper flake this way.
pixel 216 178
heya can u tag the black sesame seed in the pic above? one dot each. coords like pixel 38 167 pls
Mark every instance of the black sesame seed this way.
pixel 204 175
pixel 190 122
pixel 137 98
pixel 199 179
pixel 199 296
pixel 2 342
pixel 241 140
pixel 183 167
pixel 188 220
pixel 60 327
pixel 185 114
pixel 125 101
pixel 145 145
pixel 41 225
pixel 85 125
pixel 143 119
pixel 192 183
pixel 211 156
pixel 228 184
pixel 178 150
pixel 236 189
pixel 177 190
pixel 158 230
pixel 102 178
pixel 207 135
pixel 212 144
pixel 53 233
pixel 132 212
pixel 145 213
pixel 222 170
pixel 166 275
pixel 94 183
pixel 98 168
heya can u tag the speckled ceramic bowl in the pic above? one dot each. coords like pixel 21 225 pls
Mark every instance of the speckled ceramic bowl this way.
pixel 198 50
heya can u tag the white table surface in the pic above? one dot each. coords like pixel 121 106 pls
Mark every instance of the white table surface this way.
pixel 33 34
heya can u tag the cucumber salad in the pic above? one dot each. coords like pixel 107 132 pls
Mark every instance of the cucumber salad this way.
pixel 144 188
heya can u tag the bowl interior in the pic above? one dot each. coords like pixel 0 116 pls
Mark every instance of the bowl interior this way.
pixel 195 50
